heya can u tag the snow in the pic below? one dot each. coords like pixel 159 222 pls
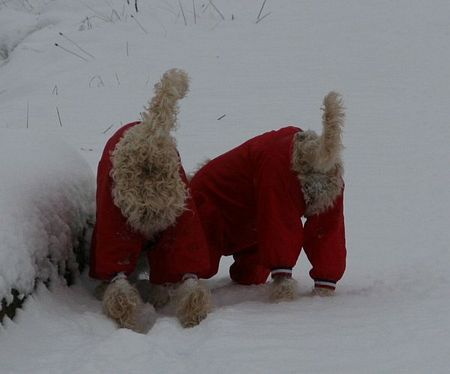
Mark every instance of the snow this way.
pixel 46 199
pixel 390 61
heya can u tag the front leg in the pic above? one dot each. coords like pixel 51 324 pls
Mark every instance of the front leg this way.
pixel 193 301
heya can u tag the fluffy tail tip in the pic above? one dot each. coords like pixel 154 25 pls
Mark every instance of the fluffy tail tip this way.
pixel 330 145
pixel 333 109
pixel 179 80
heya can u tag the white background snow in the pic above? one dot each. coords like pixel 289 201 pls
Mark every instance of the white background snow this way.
pixel 391 62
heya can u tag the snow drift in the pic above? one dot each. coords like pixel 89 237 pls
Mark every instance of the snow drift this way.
pixel 46 203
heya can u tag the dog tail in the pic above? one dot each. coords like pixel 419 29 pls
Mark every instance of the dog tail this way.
pixel 330 142
pixel 161 114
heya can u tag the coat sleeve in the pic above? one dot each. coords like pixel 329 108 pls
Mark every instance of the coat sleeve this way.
pixel 324 245
pixel 115 247
pixel 279 226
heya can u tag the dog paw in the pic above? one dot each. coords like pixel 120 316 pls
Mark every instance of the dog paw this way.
pixel 283 289
pixel 120 301
pixel 144 318
pixel 193 303
pixel 323 292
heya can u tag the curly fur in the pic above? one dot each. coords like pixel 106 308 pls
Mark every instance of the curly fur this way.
pixel 317 159
pixel 330 146
pixel 283 289
pixel 147 186
pixel 193 302
pixel 120 301
pixel 320 190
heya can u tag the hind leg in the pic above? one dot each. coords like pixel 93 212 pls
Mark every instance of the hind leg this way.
pixel 246 269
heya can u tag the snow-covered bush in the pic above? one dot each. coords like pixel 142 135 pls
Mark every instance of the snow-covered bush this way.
pixel 47 205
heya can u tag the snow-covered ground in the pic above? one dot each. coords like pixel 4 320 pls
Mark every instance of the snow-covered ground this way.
pixel 389 59
pixel 47 202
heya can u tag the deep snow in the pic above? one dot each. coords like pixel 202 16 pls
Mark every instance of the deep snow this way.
pixel 47 202
pixel 390 60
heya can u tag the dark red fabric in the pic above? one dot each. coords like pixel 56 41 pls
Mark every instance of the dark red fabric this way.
pixel 251 203
pixel 115 247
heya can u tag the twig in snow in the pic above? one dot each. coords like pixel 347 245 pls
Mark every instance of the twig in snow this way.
pixel 85 25
pixel 107 129
pixel 100 82
pixel 267 14
pixel 139 24
pixel 205 7
pixel 259 18
pixel 217 10
pixel 135 6
pixel 76 45
pixel 260 11
pixel 117 77
pixel 195 13
pixel 114 13
pixel 223 115
pixel 71 52
pixel 182 12
pixel 99 15
pixel 55 90
pixel 59 117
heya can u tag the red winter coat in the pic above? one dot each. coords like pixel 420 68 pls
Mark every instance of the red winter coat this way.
pixel 251 203
pixel 115 247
